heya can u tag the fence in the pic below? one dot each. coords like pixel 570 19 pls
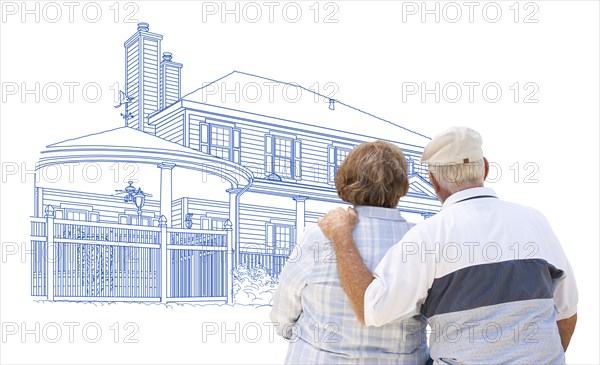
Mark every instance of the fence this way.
pixel 272 261
pixel 76 260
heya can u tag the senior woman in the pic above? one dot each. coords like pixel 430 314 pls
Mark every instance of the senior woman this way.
pixel 310 308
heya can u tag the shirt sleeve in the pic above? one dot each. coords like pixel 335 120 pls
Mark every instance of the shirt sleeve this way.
pixel 565 294
pixel 401 282
pixel 287 305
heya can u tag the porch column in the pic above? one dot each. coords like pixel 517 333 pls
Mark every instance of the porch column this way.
pixel 166 191
pixel 229 268
pixel 234 218
pixel 165 276
pixel 300 215
pixel 51 252
pixel 184 211
pixel 39 202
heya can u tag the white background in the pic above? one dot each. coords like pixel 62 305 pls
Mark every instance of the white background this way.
pixel 368 54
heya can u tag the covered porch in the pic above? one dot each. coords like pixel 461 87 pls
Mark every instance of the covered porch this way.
pixel 91 243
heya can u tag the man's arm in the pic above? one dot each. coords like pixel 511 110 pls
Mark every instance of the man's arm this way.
pixel 566 327
pixel 355 277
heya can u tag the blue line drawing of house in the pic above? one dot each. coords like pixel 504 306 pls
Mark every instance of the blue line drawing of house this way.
pixel 227 181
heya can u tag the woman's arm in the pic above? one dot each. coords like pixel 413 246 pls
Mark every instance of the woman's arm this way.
pixel 287 305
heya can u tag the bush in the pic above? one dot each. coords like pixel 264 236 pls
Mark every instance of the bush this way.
pixel 252 285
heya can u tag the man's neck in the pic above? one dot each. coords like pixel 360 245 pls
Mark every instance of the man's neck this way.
pixel 444 194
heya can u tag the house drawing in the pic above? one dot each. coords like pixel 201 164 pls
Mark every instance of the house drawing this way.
pixel 206 182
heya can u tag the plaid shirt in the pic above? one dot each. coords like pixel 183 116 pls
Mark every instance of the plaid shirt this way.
pixel 311 310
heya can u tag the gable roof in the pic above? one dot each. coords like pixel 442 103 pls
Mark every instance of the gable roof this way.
pixel 420 186
pixel 263 96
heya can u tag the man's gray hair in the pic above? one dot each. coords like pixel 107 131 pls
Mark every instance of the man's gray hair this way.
pixel 454 178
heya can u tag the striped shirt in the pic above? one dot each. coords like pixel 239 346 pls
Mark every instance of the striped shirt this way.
pixel 490 276
pixel 311 310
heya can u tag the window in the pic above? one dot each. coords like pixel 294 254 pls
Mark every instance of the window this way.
pixel 283 156
pixel 414 167
pixel 221 141
pixel 76 212
pixel 340 156
pixel 76 215
pixel 335 156
pixel 280 238
pixel 217 224
pixel 134 220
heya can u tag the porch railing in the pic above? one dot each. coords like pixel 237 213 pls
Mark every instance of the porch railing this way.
pixel 105 261
pixel 271 260
pixel 197 237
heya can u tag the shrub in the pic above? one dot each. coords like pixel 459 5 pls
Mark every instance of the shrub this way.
pixel 253 285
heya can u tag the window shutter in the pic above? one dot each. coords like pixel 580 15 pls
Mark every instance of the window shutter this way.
pixel 270 236
pixel 237 145
pixel 293 236
pixel 268 154
pixel 331 164
pixel 204 137
pixel 297 159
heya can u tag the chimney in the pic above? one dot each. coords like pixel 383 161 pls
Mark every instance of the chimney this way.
pixel 142 62
pixel 170 81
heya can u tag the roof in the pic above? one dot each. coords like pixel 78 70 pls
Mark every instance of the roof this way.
pixel 126 144
pixel 259 95
pixel 124 137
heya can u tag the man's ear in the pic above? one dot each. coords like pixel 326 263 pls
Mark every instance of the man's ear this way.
pixel 487 168
pixel 436 185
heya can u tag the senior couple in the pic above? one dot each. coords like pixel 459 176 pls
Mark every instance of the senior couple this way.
pixel 489 277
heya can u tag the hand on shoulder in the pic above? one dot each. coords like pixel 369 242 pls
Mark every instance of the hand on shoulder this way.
pixel 338 224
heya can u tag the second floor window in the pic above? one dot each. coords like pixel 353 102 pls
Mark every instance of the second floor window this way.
pixel 283 156
pixel 335 156
pixel 414 167
pixel 220 141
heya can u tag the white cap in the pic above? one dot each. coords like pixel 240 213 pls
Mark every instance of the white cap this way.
pixel 454 146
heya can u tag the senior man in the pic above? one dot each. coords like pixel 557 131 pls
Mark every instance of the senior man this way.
pixel 490 276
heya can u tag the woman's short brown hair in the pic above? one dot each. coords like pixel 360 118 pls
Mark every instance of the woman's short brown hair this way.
pixel 373 173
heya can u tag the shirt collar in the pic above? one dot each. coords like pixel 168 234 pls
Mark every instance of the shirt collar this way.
pixel 468 193
pixel 379 212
